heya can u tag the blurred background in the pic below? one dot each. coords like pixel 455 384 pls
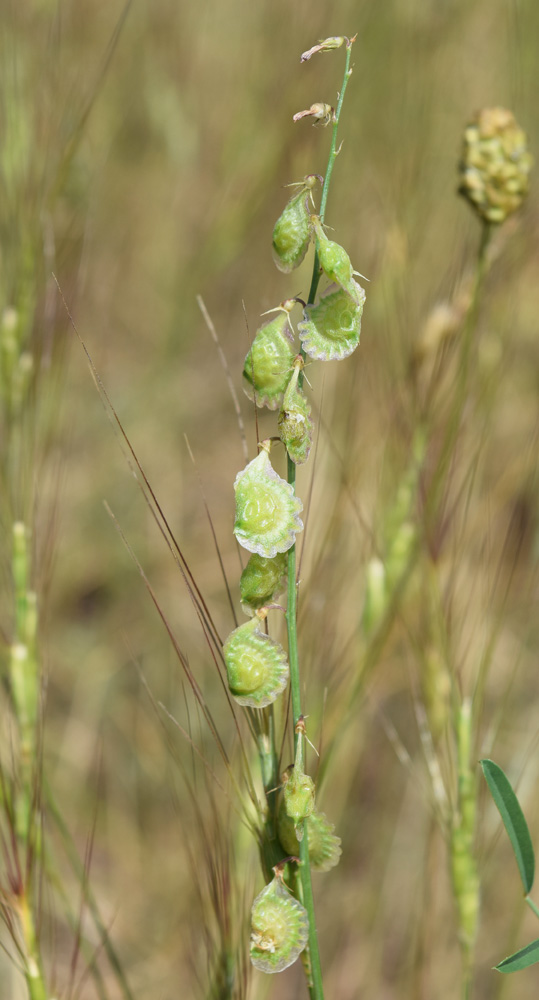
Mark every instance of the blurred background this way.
pixel 151 145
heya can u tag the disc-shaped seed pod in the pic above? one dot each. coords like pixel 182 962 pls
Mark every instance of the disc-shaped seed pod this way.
pixel 495 164
pixel 324 845
pixel 295 424
pixel 331 329
pixel 279 928
pixel 335 262
pixel 267 509
pixel 256 666
pixel 266 370
pixel 262 580
pixel 292 232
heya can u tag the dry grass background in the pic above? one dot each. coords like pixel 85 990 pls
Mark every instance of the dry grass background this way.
pixel 173 192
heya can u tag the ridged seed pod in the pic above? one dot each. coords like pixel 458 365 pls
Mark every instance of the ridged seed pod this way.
pixel 295 424
pixel 266 370
pixel 279 928
pixel 262 580
pixel 298 798
pixel 292 232
pixel 267 509
pixel 335 262
pixel 331 329
pixel 324 845
pixel 256 666
pixel 495 164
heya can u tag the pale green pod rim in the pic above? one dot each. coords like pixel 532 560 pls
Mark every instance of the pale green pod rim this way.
pixel 267 509
pixel 276 339
pixel 331 330
pixel 247 649
pixel 279 928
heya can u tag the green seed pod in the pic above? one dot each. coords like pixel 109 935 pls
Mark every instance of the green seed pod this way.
pixel 298 798
pixel 279 928
pixel 495 165
pixel 256 666
pixel 293 232
pixel 262 580
pixel 331 329
pixel 266 370
pixel 336 263
pixel 324 845
pixel 295 424
pixel 267 509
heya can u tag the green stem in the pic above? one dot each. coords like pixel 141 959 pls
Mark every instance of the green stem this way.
pixel 532 906
pixel 316 989
pixel 333 154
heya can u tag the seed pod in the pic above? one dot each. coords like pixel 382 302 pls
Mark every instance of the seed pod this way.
pixel 262 580
pixel 295 424
pixel 267 509
pixel 256 666
pixel 331 329
pixel 336 263
pixel 266 370
pixel 279 928
pixel 495 164
pixel 292 232
pixel 324 845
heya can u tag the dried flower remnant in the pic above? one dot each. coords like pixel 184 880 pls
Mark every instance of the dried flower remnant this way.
pixel 323 114
pixel 495 165
pixel 266 370
pixel 267 509
pixel 256 665
pixel 279 927
pixel 325 45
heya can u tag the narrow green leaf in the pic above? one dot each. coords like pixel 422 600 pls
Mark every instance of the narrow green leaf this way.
pixel 514 822
pixel 521 959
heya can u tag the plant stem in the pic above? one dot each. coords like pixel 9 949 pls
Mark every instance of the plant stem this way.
pixel 316 989
pixel 532 906
pixel 333 154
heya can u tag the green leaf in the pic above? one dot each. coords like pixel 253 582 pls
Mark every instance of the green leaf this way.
pixel 521 959
pixel 514 822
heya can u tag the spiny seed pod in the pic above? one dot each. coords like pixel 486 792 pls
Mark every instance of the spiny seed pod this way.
pixel 324 845
pixel 279 928
pixel 295 424
pixel 331 329
pixel 262 580
pixel 267 509
pixel 256 666
pixel 495 164
pixel 292 232
pixel 336 263
pixel 266 370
